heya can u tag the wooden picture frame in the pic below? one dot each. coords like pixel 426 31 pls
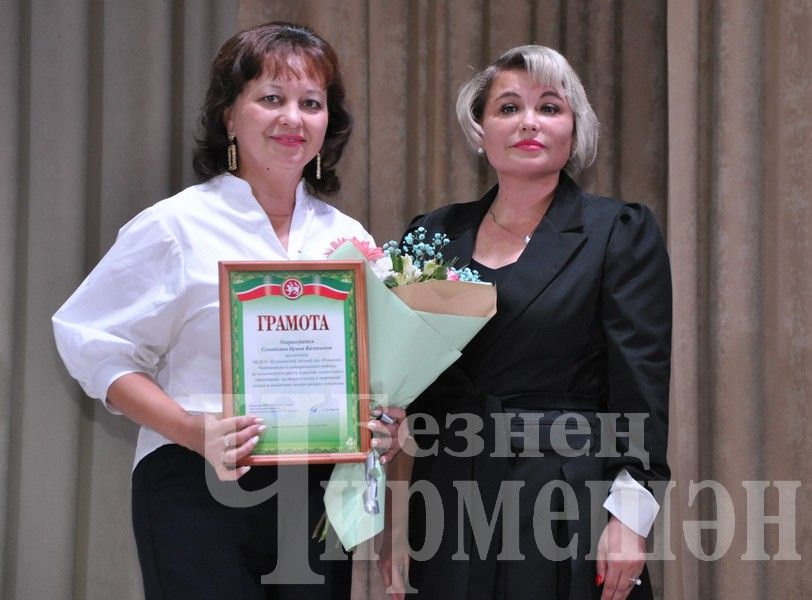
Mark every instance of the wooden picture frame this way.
pixel 293 338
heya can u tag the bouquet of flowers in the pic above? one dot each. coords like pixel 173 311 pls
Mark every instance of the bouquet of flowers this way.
pixel 422 312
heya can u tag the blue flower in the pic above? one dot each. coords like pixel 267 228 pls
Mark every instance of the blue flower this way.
pixel 419 258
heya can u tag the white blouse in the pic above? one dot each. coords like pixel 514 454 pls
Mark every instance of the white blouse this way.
pixel 151 304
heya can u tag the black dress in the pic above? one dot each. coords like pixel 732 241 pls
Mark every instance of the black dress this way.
pixel 583 327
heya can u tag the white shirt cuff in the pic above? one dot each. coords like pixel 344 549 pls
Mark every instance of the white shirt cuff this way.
pixel 104 376
pixel 632 504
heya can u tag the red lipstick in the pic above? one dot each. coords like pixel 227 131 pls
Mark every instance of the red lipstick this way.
pixel 530 145
pixel 289 140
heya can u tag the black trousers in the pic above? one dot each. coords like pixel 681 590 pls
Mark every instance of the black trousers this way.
pixel 199 538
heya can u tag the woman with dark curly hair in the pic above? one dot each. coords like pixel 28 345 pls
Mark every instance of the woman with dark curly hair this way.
pixel 142 332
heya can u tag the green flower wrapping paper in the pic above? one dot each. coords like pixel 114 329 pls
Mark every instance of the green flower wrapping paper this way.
pixel 416 332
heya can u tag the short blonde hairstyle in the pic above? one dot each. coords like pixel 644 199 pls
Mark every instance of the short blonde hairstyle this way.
pixel 547 67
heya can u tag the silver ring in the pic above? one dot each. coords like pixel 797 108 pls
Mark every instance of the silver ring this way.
pixel 636 580
pixel 226 445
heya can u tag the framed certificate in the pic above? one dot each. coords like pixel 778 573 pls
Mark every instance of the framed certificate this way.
pixel 294 352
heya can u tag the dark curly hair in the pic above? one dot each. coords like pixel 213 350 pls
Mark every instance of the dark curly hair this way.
pixel 244 57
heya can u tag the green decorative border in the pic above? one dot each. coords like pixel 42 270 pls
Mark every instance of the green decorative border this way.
pixel 353 443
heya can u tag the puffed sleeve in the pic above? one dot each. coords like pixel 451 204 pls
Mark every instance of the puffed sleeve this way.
pixel 636 317
pixel 123 316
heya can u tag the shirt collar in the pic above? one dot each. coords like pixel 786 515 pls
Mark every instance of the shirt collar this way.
pixel 234 186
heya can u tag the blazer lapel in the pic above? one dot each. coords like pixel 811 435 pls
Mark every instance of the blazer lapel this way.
pixel 557 238
pixel 461 225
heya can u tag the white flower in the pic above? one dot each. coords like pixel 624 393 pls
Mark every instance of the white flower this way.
pixel 382 267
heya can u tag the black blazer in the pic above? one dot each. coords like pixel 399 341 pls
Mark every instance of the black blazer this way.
pixel 583 323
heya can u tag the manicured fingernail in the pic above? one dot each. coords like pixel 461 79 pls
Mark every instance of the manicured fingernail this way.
pixel 375 443
pixel 259 421
pixel 254 440
pixel 244 470
pixel 384 460
pixel 262 428
pixel 384 418
pixel 598 579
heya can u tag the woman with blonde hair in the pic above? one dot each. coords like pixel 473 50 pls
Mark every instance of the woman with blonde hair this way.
pixel 556 501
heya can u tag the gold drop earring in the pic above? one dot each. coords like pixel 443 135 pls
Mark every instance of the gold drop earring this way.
pixel 232 152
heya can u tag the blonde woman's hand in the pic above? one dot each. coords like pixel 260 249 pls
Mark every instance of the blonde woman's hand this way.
pixel 621 558
pixel 393 561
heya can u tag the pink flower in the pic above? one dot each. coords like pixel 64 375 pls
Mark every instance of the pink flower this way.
pixel 369 251
pixel 452 275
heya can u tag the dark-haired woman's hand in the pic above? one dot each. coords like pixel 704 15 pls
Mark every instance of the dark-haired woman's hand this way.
pixel 222 442
pixel 226 441
pixel 390 437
